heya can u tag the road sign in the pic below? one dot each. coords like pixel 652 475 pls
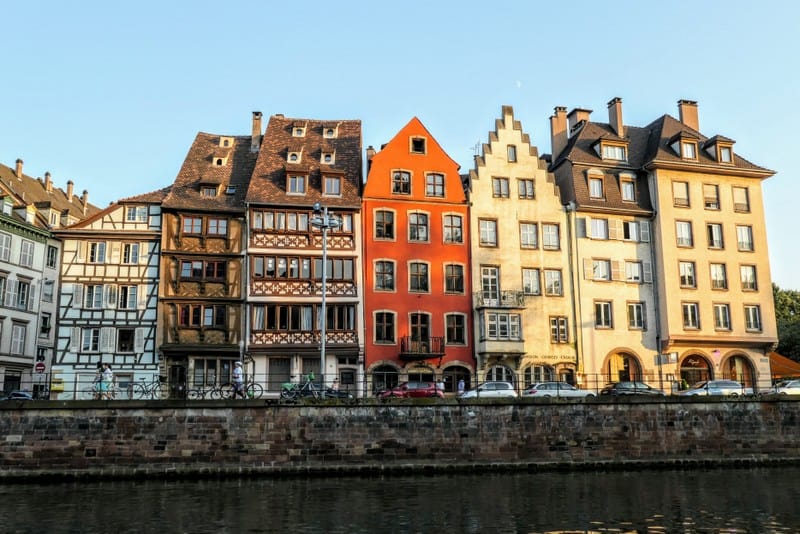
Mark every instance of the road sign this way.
pixel 40 367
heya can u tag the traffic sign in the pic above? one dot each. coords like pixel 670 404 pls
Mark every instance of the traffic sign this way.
pixel 40 367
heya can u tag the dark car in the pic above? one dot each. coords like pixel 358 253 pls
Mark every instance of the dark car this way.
pixel 631 388
pixel 16 395
pixel 412 389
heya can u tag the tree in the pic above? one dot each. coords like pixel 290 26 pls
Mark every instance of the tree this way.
pixel 787 315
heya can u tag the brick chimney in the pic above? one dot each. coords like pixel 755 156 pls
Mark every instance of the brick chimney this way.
pixel 615 115
pixel 85 200
pixel 370 155
pixel 255 141
pixel 576 117
pixel 558 131
pixel 687 111
pixel 69 190
pixel 18 170
pixel 48 183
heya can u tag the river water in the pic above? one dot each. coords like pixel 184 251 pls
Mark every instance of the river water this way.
pixel 697 501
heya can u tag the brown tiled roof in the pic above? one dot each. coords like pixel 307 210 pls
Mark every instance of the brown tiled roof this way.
pixel 28 190
pixel 153 197
pixel 199 168
pixel 268 184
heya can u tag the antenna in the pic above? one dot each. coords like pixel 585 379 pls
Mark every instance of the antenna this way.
pixel 476 148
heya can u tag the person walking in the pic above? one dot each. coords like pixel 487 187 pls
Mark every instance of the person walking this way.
pixel 460 386
pixel 238 381
pixel 107 382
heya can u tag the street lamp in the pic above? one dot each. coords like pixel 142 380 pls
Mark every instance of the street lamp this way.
pixel 324 222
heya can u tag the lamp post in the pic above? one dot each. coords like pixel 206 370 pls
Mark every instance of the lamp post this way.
pixel 324 222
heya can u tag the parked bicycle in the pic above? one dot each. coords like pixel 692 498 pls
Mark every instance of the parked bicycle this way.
pixel 148 390
pixel 252 390
pixel 291 391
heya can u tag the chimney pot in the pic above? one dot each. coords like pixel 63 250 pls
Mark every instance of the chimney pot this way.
pixel 48 183
pixel 558 131
pixel 576 117
pixel 18 170
pixel 687 111
pixel 255 141
pixel 69 190
pixel 615 115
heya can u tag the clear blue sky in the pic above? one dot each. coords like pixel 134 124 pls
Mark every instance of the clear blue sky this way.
pixel 110 95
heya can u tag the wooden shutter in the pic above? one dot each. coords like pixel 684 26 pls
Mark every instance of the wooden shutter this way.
pixel 588 268
pixel 647 272
pixel 75 339
pixel 617 269
pixel 31 296
pixel 77 296
pixel 138 341
pixel 107 339
pixel 110 294
pixel 114 252
pixel 644 231
pixel 81 250
pixel 584 228
pixel 615 229
pixel 141 296
pixel 144 253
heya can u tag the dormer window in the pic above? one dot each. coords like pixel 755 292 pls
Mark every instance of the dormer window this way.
pixel 208 191
pixel 720 149
pixel 688 149
pixel 327 158
pixel 298 131
pixel 226 142
pixel 220 162
pixel 725 154
pixel 329 132
pixel 293 157
pixel 417 145
pixel 230 190
pixel 296 185
pixel 612 151
pixel 627 185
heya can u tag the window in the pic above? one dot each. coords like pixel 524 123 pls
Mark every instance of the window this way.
pixel 490 285
pixel 45 324
pixel 5 247
pixel 47 289
pixel 601 270
pixel 503 326
pixel 130 253
pixel 192 225
pixel 20 300
pixel 434 185
pixel 97 252
pixel 747 273
pixel 90 341
pixel 633 272
pixel 595 188
pixel 453 232
pixel 298 131
pixel 94 297
pixel 454 279
pixel 217 226
pixel 714 231
pixel 741 200
pixel 636 316
pixel 401 183
pixel 687 274
pixel 417 145
pixel 384 327
pixel 688 150
pixel 136 214
pixel 550 238
pixel 419 327
pixel 614 152
pixel 333 186
pixel 293 157
pixel 297 185
pixel 552 283
pixel 456 328
pixel 18 332
pixel 744 238
pixel 511 152
pixel 196 315
pixel 599 228
pixel 52 256
pixel 384 225
pixel 527 235
pixel 711 196
pixel 628 191
pixel 384 275
pixel 631 231
pixel 488 232
pixel 683 233
pixel 558 330
pixel 26 253
pixel 526 188
pixel 215 270
pixel 330 133
pixel 208 191
pixel 752 318
pixel 230 189
pixel 725 154
pixel 722 317
pixel 680 194
pixel 128 297
pixel 500 187
pixel 126 339
pixel 530 282
pixel 691 315
pixel 327 158
pixel 418 277
pixel 602 314
pixel 719 277
pixel 417 227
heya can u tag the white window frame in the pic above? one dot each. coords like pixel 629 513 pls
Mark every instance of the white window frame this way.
pixel 722 316
pixel 691 315
pixel 528 235
pixel 603 314
pixel 531 281
pixel 752 316
pixel 637 320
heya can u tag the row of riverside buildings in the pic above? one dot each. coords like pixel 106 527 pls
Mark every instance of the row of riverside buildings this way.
pixel 628 253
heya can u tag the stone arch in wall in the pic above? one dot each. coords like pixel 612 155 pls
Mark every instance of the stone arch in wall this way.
pixel 694 368
pixel 501 373
pixel 383 376
pixel 452 373
pixel 738 367
pixel 622 366
pixel 538 372
pixel 420 373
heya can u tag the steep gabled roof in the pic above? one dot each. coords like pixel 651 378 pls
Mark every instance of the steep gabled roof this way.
pixel 269 181
pixel 200 168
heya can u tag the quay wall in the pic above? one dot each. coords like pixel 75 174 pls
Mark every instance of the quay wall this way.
pixel 128 439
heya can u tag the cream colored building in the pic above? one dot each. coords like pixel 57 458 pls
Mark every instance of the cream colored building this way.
pixel 524 321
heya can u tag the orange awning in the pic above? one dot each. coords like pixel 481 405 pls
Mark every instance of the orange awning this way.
pixel 783 367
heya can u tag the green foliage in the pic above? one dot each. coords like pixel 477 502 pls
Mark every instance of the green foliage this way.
pixel 787 315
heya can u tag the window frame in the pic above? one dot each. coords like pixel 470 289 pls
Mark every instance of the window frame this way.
pixel 528 235
pixel 382 225
pixel 636 314
pixel 434 185
pixel 454 281
pixel 401 182
pixel 419 277
pixel 603 315
pixel 500 187
pixel 450 229
pixel 385 277
pixel 722 321
pixel 690 313
pixel 485 228
pixel 385 327
pixel 531 281
pixel 747 244
pixel 526 188
pixel 419 227
pixel 752 318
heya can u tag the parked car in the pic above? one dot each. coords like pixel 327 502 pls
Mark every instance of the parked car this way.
pixel 16 395
pixel 555 389
pixel 489 390
pixel 727 388
pixel 786 387
pixel 411 390
pixel 631 388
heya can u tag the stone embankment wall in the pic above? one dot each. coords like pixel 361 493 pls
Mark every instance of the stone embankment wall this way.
pixel 143 439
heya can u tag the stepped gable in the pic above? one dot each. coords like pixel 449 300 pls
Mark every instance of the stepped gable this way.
pixel 223 162
pixel 339 138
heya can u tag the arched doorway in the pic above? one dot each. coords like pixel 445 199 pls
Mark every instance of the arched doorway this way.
pixel 501 373
pixel 533 374
pixel 453 374
pixel 739 368
pixel 384 377
pixel 695 368
pixel 623 367
pixel 421 374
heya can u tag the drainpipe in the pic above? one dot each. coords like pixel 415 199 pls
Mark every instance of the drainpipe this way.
pixel 572 251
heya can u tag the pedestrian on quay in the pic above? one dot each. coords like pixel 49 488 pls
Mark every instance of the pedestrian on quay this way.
pixel 460 386
pixel 238 381
pixel 107 382
pixel 97 383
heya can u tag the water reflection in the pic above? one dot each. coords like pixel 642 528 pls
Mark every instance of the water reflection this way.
pixel 731 500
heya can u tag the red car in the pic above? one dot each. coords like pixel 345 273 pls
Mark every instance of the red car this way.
pixel 412 389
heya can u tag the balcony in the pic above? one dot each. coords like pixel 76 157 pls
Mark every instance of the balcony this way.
pixel 412 349
pixel 502 299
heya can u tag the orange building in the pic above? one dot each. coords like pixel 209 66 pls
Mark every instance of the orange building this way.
pixel 417 291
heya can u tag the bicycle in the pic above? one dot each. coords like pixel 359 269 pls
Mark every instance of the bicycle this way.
pixel 148 390
pixel 94 392
pixel 292 391
pixel 252 390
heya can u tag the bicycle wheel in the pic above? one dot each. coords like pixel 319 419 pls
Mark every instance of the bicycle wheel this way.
pixel 254 391
pixel 161 391
pixel 87 393
pixel 138 391
pixel 194 394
